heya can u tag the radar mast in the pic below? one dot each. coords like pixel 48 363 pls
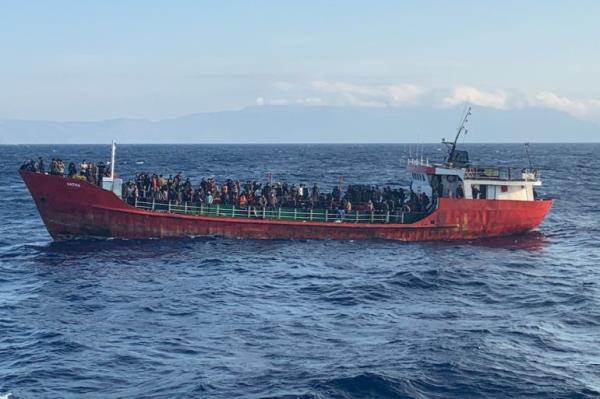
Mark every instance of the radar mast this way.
pixel 461 129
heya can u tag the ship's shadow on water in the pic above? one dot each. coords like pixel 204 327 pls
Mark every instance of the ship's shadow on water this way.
pixel 529 241
pixel 175 251
pixel 123 251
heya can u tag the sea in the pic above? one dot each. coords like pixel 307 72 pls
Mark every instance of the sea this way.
pixel 214 317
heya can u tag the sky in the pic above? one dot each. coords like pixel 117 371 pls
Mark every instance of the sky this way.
pixel 92 60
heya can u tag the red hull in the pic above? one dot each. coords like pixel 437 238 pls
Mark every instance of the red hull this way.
pixel 75 209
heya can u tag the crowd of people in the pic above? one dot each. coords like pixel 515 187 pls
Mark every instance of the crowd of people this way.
pixel 88 171
pixel 179 190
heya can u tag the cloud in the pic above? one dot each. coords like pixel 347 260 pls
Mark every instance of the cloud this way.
pixel 405 93
pixel 465 94
pixel 283 85
pixel 577 108
pixel 344 88
pixel 343 93
pixel 311 101
pixel 296 101
pixel 370 95
pixel 502 99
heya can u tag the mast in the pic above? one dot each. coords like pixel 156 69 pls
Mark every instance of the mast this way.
pixel 112 160
pixel 528 156
pixel 461 129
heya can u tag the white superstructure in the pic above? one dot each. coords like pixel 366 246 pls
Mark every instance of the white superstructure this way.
pixel 458 178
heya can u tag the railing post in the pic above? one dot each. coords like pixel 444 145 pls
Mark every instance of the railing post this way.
pixel 372 216
pixel 279 213
pixel 326 214
pixel 248 209
pixel 135 202
pixel 387 217
pixel 264 215
pixel 295 213
pixel 311 214
pixel 356 216
pixel 233 211
pixel 185 207
pixel 201 208
pixel 402 217
pixel 153 203
pixel 169 206
pixel 218 209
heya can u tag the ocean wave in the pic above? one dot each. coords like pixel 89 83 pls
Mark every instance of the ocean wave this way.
pixel 214 317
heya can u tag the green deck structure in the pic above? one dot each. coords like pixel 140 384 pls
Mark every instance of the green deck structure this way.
pixel 289 214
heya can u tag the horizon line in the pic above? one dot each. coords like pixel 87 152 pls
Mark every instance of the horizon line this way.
pixel 305 143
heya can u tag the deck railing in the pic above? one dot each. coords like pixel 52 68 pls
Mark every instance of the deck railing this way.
pixel 289 214
pixel 501 173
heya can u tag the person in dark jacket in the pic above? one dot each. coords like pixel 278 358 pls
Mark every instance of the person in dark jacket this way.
pixel 101 169
pixel 460 192
pixel 72 169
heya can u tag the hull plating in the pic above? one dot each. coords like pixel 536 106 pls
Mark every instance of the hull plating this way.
pixel 74 209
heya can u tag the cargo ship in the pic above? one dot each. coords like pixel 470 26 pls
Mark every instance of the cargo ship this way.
pixel 467 202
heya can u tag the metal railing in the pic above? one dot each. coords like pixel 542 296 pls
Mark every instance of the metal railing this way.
pixel 501 173
pixel 289 214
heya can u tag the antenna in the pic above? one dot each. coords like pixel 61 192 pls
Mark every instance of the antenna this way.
pixel 461 129
pixel 526 145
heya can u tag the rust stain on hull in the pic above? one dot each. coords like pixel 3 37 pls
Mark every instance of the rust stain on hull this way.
pixel 87 211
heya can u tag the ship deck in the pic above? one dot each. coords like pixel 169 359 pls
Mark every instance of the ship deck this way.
pixel 280 213
pixel 74 209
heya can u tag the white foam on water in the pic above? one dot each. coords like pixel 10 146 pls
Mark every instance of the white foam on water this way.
pixel 6 396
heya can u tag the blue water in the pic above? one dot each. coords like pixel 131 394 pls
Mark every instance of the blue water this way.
pixel 224 318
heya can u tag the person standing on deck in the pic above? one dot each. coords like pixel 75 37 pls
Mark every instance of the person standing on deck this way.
pixel 101 170
pixel 424 202
pixel 475 191
pixel 348 207
pixel 370 207
pixel 243 201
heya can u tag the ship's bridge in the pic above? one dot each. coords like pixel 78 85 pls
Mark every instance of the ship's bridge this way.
pixel 473 182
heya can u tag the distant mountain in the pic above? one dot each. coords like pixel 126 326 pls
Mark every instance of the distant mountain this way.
pixel 293 124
